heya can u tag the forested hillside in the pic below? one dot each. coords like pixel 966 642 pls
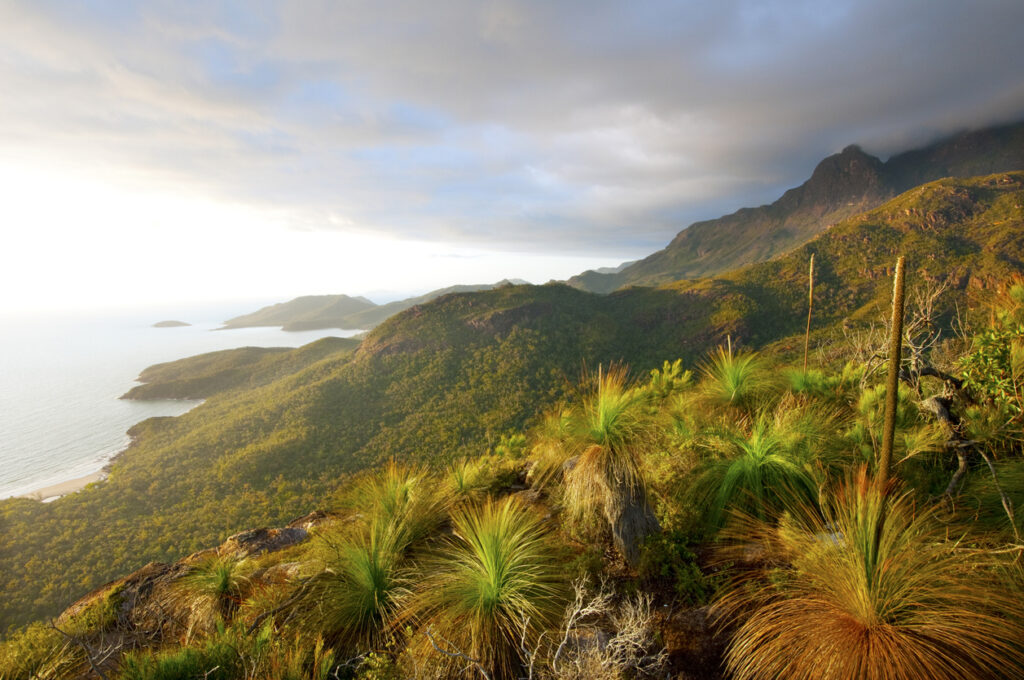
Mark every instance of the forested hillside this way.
pixel 460 376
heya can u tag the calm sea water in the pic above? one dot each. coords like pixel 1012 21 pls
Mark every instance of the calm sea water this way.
pixel 60 379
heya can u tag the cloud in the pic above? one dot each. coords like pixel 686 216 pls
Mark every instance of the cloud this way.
pixel 597 126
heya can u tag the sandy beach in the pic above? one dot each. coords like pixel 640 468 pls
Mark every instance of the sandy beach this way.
pixel 55 491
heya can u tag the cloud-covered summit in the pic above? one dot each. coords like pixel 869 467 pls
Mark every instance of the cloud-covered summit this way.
pixel 597 126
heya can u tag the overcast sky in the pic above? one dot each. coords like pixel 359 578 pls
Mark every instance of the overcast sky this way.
pixel 157 150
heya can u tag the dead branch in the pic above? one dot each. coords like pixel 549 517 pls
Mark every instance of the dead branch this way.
pixel 457 655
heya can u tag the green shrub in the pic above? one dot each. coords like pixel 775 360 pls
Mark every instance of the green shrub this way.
pixel 668 562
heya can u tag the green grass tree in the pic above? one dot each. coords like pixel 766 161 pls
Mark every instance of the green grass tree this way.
pixel 493 583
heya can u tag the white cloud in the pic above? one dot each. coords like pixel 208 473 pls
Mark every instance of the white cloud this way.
pixel 593 126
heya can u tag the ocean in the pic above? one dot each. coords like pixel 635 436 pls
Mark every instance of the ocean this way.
pixel 60 379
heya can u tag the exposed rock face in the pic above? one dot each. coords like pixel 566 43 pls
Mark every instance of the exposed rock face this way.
pixel 313 519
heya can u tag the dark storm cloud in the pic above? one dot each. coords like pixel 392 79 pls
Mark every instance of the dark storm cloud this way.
pixel 604 127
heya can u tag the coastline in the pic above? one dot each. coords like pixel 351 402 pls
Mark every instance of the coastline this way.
pixel 55 491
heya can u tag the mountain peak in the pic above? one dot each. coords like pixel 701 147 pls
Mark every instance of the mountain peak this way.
pixel 841 185
pixel 849 175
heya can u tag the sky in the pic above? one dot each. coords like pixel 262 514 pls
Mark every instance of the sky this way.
pixel 174 151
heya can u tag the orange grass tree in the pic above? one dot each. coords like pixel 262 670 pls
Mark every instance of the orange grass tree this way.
pixel 867 588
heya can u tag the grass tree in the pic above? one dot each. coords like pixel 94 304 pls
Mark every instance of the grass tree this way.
pixel 408 496
pixel 212 589
pixel 734 379
pixel 868 588
pixel 759 465
pixel 493 584
pixel 608 434
pixel 363 586
pixel 366 570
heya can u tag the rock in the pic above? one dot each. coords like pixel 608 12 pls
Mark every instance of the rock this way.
pixel 260 541
pixel 144 601
pixel 694 643
pixel 280 573
pixel 313 519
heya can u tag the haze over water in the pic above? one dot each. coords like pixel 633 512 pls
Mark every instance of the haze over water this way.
pixel 61 376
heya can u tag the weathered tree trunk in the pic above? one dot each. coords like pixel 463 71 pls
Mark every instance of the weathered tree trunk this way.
pixel 631 520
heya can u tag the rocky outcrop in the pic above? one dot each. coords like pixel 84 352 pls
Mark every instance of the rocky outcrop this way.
pixel 144 602
pixel 255 542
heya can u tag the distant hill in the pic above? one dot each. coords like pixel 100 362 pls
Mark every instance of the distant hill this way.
pixel 202 376
pixel 170 323
pixel 842 185
pixel 450 377
pixel 310 312
pixel 316 312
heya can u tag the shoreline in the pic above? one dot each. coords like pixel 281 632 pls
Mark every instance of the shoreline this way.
pixel 55 491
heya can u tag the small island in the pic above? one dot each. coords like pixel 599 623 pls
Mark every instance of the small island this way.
pixel 170 324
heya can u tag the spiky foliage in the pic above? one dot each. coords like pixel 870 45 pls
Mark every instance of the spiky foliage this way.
pixel 470 478
pixel 495 575
pixel 759 465
pixel 212 590
pixel 868 590
pixel 913 435
pixel 407 496
pixel 549 449
pixel 354 600
pixel 737 379
pixel 366 574
pixel 40 652
pixel 609 432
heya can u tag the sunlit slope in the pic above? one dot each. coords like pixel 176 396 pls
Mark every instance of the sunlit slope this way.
pixel 842 185
pixel 450 377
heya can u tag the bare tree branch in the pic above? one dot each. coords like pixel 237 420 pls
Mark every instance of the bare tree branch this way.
pixel 457 655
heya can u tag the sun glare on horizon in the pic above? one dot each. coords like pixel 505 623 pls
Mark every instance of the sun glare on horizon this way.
pixel 75 242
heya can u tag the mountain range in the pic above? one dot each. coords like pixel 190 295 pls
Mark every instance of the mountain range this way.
pixel 465 372
pixel 842 185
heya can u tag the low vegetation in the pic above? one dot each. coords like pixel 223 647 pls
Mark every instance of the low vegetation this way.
pixel 487 517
